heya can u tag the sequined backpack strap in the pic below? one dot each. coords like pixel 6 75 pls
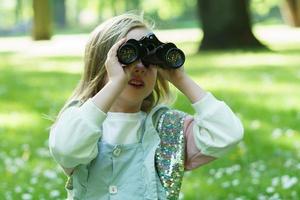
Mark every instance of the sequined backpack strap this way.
pixel 169 156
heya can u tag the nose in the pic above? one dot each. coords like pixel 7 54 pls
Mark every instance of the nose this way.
pixel 140 68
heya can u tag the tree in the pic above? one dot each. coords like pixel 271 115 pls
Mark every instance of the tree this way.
pixel 18 11
pixel 290 10
pixel 226 24
pixel 42 28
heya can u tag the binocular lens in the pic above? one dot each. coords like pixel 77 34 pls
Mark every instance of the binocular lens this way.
pixel 175 58
pixel 127 54
pixel 151 51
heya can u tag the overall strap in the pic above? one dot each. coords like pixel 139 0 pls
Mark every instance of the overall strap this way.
pixel 170 154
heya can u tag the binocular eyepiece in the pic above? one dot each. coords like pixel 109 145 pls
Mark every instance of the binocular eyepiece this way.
pixel 151 51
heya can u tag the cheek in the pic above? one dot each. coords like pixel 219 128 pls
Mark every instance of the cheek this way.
pixel 153 76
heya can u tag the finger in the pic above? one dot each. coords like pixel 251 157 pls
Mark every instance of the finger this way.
pixel 115 47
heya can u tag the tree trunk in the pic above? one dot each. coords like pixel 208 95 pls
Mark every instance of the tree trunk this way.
pixel 290 10
pixel 59 11
pixel 18 11
pixel 226 25
pixel 42 29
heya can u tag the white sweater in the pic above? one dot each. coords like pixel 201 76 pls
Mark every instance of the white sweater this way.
pixel 73 139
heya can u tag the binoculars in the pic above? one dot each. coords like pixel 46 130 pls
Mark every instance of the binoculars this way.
pixel 151 51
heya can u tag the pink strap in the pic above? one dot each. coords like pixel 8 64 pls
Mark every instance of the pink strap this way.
pixel 194 158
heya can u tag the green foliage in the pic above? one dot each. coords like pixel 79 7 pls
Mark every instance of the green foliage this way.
pixel 266 11
pixel 263 7
pixel 262 87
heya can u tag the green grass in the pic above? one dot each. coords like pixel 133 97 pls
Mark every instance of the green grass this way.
pixel 261 87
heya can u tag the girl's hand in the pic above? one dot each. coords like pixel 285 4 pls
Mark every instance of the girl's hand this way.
pixel 183 83
pixel 115 70
pixel 174 76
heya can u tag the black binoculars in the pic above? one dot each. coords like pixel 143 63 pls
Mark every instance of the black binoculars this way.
pixel 151 51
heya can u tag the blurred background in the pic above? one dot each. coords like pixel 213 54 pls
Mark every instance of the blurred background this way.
pixel 246 52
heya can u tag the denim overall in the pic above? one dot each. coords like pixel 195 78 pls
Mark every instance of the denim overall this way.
pixel 131 171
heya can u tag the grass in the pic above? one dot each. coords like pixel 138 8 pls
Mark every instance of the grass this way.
pixel 261 87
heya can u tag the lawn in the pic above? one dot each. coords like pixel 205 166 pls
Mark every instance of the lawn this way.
pixel 261 87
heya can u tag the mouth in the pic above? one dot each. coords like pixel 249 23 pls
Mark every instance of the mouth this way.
pixel 136 83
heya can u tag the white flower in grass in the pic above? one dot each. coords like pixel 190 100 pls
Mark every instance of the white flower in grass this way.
pixel 276 133
pixel 219 174
pixel 50 174
pixel 255 124
pixel 54 193
pixel 30 189
pixel 13 169
pixel 262 167
pixel 275 197
pixel 237 167
pixel 255 174
pixel 262 197
pixel 19 162
pixel 37 171
pixel 232 169
pixel 288 163
pixel 8 195
pixel 288 182
pixel 229 170
pixel 33 180
pixel 43 152
pixel 275 181
pixel 210 181
pixel 18 189
pixel 239 198
pixel 255 181
pixel 270 189
pixel 225 184
pixel 296 144
pixel 26 196
pixel 212 171
pixel 290 133
pixel 235 182
pixel 181 196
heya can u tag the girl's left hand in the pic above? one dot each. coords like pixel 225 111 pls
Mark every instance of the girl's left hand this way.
pixel 172 75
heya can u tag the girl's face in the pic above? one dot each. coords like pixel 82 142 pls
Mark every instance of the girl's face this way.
pixel 142 79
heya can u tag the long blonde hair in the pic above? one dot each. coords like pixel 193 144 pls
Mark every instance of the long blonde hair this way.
pixel 101 40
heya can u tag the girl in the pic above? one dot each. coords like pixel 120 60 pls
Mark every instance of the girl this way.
pixel 115 140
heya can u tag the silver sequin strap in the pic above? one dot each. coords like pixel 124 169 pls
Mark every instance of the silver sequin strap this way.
pixel 169 156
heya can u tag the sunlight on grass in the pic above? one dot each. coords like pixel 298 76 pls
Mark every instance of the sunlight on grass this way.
pixel 280 37
pixel 16 119
pixel 71 65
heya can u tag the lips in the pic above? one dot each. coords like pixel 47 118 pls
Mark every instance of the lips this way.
pixel 136 82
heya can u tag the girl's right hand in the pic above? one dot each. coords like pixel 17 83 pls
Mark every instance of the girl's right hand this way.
pixel 115 70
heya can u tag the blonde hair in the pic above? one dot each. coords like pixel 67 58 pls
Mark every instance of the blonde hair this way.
pixel 101 40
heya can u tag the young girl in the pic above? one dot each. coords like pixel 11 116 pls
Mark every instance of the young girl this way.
pixel 115 140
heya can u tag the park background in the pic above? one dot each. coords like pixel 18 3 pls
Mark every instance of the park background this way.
pixel 246 52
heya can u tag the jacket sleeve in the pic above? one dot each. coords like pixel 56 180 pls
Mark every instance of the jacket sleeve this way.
pixel 73 138
pixel 211 133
